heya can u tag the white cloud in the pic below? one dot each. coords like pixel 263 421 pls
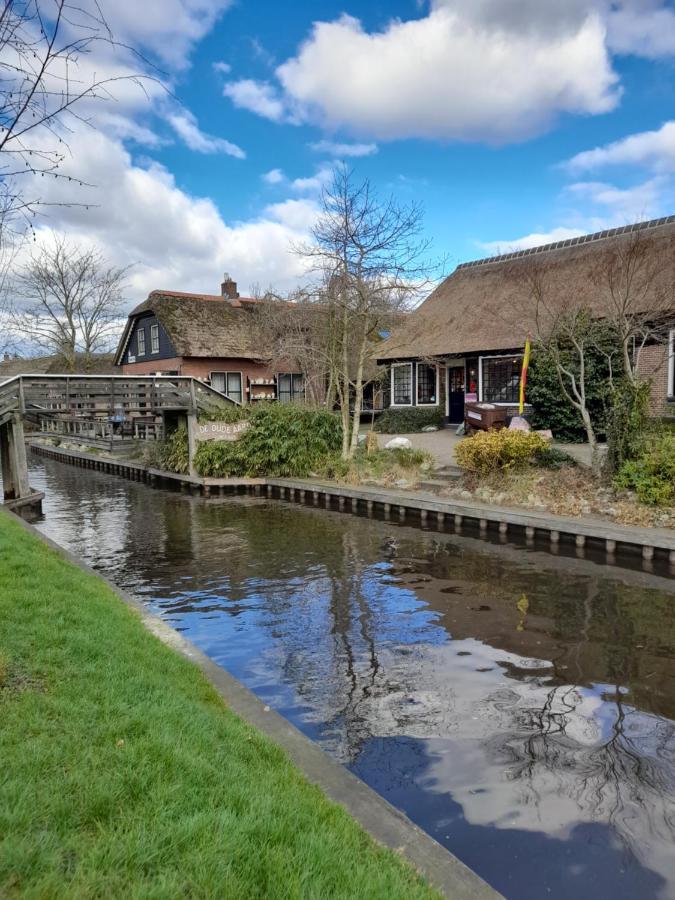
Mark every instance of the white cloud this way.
pixel 535 239
pixel 274 176
pixel 257 96
pixel 596 206
pixel 331 148
pixel 223 67
pixel 313 183
pixel 168 29
pixel 448 75
pixel 642 27
pixel 624 205
pixel 186 127
pixel 653 149
pixel 138 215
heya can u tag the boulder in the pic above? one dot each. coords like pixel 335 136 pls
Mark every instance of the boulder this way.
pixel 518 423
pixel 398 443
pixel 430 428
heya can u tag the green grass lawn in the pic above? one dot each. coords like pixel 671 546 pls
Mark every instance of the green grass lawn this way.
pixel 122 774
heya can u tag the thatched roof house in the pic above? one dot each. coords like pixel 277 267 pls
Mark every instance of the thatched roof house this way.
pixel 96 364
pixel 214 337
pixel 468 335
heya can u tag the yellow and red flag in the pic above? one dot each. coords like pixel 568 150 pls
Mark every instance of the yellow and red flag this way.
pixel 523 375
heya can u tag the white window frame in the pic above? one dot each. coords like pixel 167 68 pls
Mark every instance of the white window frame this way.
pixel 480 377
pixel 154 337
pixel 391 376
pixel 140 345
pixel 226 373
pixel 417 383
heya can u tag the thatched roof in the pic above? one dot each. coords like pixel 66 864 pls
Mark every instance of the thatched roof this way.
pixel 490 305
pixel 97 364
pixel 201 325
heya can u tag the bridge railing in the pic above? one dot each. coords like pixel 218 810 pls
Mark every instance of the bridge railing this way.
pixel 100 396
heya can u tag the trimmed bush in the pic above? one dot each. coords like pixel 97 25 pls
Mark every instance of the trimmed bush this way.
pixel 408 419
pixel 282 440
pixel 492 451
pixel 651 474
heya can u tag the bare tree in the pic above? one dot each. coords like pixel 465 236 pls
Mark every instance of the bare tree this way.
pixel 635 297
pixel 44 90
pixel 568 332
pixel 368 256
pixel 71 301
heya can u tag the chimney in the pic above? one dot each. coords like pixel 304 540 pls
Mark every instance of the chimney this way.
pixel 228 288
pixel 5 357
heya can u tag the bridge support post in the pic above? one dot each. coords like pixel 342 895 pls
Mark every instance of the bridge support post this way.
pixel 13 460
pixel 192 442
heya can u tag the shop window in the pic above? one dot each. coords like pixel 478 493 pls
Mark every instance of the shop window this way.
pixel 427 384
pixel 291 387
pixel 501 378
pixel 401 384
pixel 228 383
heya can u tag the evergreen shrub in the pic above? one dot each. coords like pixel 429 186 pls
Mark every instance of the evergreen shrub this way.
pixel 409 419
pixel 492 451
pixel 282 440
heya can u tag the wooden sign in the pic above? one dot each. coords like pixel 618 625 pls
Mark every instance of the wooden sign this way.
pixel 218 431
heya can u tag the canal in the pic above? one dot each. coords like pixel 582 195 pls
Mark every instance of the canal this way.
pixel 518 706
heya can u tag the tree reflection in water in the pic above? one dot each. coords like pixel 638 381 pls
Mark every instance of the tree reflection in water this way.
pixel 530 697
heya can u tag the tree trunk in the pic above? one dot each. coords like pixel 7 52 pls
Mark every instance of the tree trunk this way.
pixel 358 397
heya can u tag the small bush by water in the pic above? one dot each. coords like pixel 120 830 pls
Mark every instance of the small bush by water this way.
pixel 651 473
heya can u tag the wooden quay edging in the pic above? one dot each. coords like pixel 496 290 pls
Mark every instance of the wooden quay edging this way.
pixel 652 544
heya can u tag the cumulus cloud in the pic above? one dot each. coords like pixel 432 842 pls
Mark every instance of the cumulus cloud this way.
pixel 257 96
pixel 452 74
pixel 167 29
pixel 138 214
pixel 274 176
pixel 185 125
pixel 653 149
pixel 331 148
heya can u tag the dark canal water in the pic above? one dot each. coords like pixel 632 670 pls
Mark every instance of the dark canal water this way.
pixel 519 707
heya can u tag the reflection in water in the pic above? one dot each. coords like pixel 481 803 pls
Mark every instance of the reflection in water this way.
pixel 519 707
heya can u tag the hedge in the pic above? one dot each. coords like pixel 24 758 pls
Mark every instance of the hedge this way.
pixel 408 419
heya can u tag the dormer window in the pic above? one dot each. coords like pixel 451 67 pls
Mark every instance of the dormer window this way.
pixel 140 342
pixel 154 338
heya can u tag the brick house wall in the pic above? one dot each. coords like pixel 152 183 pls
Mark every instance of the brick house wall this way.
pixel 202 367
pixel 653 366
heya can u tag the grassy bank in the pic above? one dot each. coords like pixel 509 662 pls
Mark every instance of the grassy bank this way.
pixel 124 775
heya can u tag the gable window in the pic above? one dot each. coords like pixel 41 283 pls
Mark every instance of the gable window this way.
pixel 500 378
pixel 140 341
pixel 427 384
pixel 401 384
pixel 154 338
pixel 290 388
pixel 228 383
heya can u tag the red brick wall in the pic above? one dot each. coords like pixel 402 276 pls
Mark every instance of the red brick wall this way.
pixel 202 367
pixel 653 365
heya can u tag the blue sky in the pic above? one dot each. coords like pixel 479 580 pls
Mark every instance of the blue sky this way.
pixel 483 110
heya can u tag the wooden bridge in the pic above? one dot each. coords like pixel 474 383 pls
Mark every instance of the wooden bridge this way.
pixel 102 398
